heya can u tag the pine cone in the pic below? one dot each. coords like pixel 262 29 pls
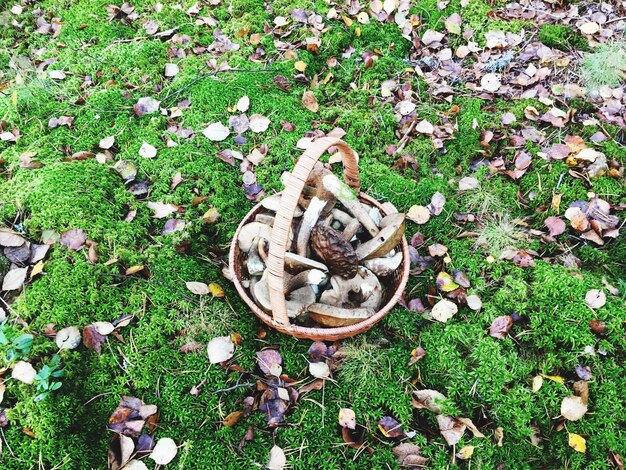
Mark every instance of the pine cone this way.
pixel 335 251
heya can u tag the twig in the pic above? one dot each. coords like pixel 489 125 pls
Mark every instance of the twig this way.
pixel 405 137
pixel 96 397
pixel 247 384
pixel 6 442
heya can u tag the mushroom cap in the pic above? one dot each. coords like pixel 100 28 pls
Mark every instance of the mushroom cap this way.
pixel 334 250
pixel 363 290
pixel 273 202
pixel 295 263
pixel 384 266
pixel 299 300
pixel 249 232
pixel 328 315
pixel 392 231
pixel 261 293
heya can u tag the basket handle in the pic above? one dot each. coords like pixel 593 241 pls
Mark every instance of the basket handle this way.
pixel 289 201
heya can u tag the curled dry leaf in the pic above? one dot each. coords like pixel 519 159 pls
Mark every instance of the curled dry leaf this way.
pixel 465 453
pixel 145 106
pixel 389 427
pixel 164 451
pixel 162 210
pixel 347 418
pixel 68 338
pixel 107 142
pixel 474 302
pixel 220 349
pixel 74 239
pixel 451 429
pixel 270 361
pixel 243 104
pixel 409 455
pixel 468 183
pixel 92 339
pixel 555 226
pixel 595 298
pixel 500 326
pixel 429 399
pixel 309 101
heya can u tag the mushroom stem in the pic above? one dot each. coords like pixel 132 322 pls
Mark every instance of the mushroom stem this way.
pixel 255 264
pixel 296 263
pixel 342 217
pixel 262 245
pixel 310 277
pixel 309 219
pixel 351 229
pixel 345 195
pixel 329 315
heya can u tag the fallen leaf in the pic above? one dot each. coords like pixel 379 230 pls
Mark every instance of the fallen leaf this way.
pixel 577 442
pixel 491 82
pixel 243 104
pixel 451 429
pixel 500 326
pixel 474 302
pixel 73 239
pixel 300 66
pixel 14 279
pixel 418 214
pixel 278 460
pixel 92 339
pixel 147 151
pixel 409 455
pixel 220 349
pixel 216 290
pixel 431 36
pixel 319 370
pixel 595 298
pixel 171 70
pixel 24 372
pixel 444 310
pixel 198 288
pixel 555 226
pixel 211 216
pixel 389 427
pixel 573 408
pixel 537 383
pixel 554 378
pixel 465 452
pixel 430 399
pixel 437 201
pixel 468 183
pixel 232 419
pixel 591 27
pixel 270 361
pixel 68 338
pixel 347 418
pixel 162 210
pixel 259 123
pixel 216 132
pixel 309 101
pixel 146 105
pixel 164 451
pixel 107 142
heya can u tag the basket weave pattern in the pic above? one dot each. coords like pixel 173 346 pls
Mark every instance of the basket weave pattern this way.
pixel 394 284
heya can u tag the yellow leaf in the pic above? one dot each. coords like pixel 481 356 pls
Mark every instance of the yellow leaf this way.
pixel 300 66
pixel 347 418
pixel 37 269
pixel 348 22
pixel 465 453
pixel 232 419
pixel 134 269
pixel 357 31
pixel 577 442
pixel 555 378
pixel 216 290
pixel 537 383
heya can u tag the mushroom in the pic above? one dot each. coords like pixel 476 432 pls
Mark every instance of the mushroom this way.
pixel 341 217
pixel 363 290
pixel 266 219
pixel 255 264
pixel 351 229
pixel 250 232
pixel 295 263
pixel 335 251
pixel 272 203
pixel 345 195
pixel 309 219
pixel 328 315
pixel 384 266
pixel 298 291
pixel 392 230
pixel 389 208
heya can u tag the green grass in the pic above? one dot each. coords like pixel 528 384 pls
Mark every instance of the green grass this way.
pixel 485 379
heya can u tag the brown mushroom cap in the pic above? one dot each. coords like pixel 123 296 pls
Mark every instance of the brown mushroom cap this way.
pixel 334 250
pixel 331 316
pixel 388 238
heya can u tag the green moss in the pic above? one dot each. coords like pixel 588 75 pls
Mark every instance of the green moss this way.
pixel 562 37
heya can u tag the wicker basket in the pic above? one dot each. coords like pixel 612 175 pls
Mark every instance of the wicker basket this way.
pixel 394 285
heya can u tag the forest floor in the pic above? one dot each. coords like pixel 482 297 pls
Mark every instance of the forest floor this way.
pixel 113 171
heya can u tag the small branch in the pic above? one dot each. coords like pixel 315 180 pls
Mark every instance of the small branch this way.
pixel 247 384
pixel 405 137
